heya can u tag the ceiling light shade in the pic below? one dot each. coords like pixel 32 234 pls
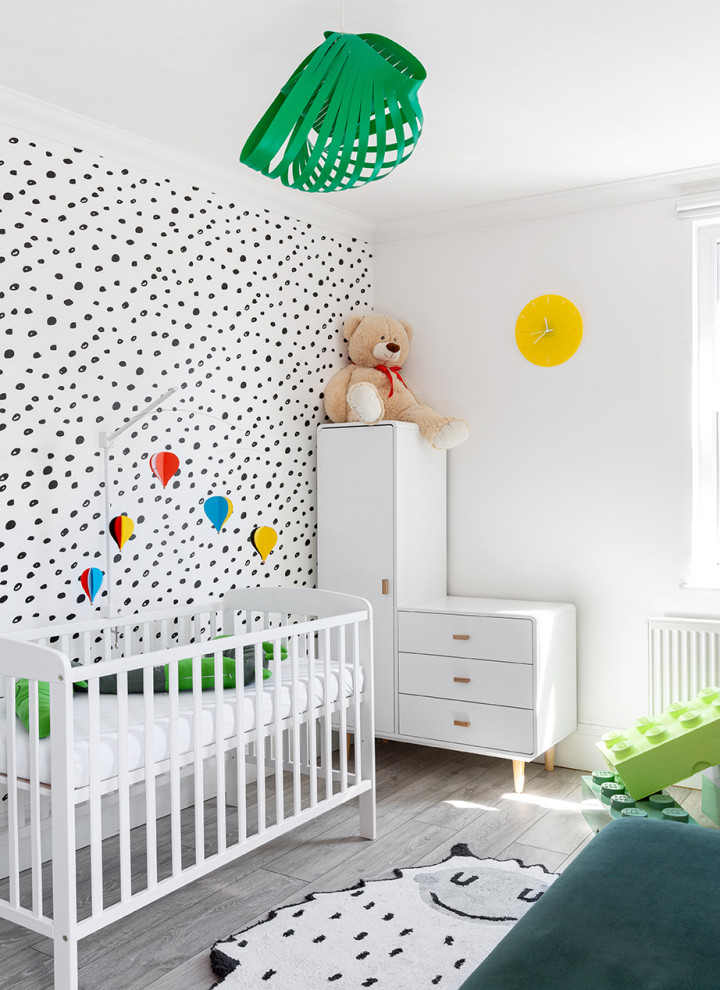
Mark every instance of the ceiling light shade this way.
pixel 348 115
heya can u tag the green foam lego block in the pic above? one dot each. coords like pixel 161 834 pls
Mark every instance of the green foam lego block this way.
pixel 663 749
pixel 604 799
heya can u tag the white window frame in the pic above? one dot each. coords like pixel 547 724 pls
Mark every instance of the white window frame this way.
pixel 705 562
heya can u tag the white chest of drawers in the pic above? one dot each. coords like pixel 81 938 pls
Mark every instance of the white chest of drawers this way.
pixel 487 675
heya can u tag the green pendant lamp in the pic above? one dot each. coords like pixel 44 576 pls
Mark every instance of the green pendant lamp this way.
pixel 348 115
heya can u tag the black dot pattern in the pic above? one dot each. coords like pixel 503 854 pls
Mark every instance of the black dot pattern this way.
pixel 114 287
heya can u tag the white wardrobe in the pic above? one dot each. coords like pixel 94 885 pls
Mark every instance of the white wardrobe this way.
pixel 381 532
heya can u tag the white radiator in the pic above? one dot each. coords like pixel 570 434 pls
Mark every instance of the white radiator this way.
pixel 684 656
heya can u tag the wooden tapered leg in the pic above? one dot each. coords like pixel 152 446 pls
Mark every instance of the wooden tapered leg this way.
pixel 550 759
pixel 519 775
pixel 347 744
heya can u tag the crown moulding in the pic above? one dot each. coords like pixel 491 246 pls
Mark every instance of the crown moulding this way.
pixel 45 120
pixel 695 190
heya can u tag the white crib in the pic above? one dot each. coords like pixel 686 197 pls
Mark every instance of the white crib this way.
pixel 115 762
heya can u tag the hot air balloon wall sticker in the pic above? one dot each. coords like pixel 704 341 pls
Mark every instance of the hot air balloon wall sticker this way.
pixel 218 509
pixel 121 529
pixel 164 465
pixel 348 115
pixel 91 580
pixel 264 538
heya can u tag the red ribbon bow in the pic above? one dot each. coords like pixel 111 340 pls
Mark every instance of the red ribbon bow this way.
pixel 396 369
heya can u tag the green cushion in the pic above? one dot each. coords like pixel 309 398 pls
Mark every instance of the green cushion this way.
pixel 637 908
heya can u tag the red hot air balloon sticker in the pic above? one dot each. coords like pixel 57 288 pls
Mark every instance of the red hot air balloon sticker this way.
pixel 121 529
pixel 164 465
pixel 91 580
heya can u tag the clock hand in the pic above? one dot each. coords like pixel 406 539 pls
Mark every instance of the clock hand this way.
pixel 543 332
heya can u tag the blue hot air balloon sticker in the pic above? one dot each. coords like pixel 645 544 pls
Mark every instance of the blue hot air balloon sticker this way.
pixel 218 509
pixel 91 579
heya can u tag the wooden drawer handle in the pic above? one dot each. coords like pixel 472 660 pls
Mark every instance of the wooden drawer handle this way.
pixel 465 724
pixel 461 680
pixel 460 636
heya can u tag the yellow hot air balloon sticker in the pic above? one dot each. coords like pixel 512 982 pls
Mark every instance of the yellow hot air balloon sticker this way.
pixel 264 539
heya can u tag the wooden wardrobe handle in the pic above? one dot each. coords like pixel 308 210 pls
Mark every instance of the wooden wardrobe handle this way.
pixel 385 586
pixel 460 636
pixel 465 724
pixel 461 680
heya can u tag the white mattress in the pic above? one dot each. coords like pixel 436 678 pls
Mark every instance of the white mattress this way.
pixel 108 749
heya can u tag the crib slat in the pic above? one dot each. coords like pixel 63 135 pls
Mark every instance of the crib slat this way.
pixel 327 721
pixel 260 736
pixel 220 751
pixel 123 789
pixel 240 737
pixel 278 733
pixel 294 657
pixel 106 644
pixel 312 723
pixel 357 748
pixel 14 851
pixel 198 760
pixel 35 822
pixel 342 701
pixel 150 800
pixel 175 830
pixel 96 864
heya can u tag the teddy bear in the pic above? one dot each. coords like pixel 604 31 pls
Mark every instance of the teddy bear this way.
pixel 372 387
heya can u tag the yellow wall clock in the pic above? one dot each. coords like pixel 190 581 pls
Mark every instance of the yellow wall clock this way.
pixel 548 330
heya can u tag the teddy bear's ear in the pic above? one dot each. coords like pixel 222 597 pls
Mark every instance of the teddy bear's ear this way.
pixel 351 324
pixel 408 329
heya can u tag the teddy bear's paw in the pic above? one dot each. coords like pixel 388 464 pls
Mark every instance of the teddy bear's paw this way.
pixel 364 400
pixel 451 434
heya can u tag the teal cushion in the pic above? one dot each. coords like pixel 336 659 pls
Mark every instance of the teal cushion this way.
pixel 637 908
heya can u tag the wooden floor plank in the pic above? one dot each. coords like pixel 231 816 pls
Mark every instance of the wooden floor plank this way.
pixel 428 800
pixel 532 855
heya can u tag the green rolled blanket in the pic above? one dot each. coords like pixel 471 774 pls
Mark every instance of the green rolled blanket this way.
pixel 22 705
pixel 161 681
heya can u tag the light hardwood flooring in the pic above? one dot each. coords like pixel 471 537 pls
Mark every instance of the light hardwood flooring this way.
pixel 428 799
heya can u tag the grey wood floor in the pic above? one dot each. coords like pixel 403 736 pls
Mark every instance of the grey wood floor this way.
pixel 428 799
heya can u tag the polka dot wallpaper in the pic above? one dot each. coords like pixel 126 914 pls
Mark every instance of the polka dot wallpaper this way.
pixel 116 287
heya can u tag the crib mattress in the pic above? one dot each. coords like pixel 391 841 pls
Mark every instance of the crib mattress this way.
pixel 108 749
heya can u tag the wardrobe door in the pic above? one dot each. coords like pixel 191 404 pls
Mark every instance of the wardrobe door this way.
pixel 356 538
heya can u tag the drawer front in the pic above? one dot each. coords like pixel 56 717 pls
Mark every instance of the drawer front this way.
pixel 490 726
pixel 485 637
pixel 488 681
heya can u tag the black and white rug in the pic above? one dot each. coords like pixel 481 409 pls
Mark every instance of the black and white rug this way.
pixel 429 926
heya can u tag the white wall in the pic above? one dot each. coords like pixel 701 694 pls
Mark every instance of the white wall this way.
pixel 576 482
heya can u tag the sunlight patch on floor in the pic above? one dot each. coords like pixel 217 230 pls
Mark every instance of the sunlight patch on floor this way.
pixel 469 804
pixel 552 804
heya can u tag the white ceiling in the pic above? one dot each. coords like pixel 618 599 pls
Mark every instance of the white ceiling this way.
pixel 522 98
